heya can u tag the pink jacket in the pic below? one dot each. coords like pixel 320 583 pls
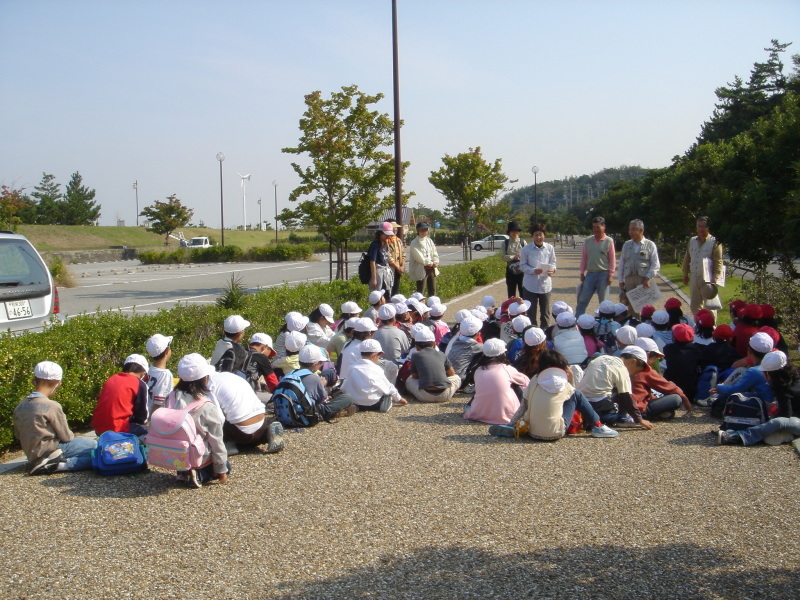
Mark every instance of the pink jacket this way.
pixel 494 401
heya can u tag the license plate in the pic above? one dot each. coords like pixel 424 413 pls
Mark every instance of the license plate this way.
pixel 19 309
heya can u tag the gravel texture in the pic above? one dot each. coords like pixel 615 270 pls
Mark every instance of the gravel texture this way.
pixel 419 503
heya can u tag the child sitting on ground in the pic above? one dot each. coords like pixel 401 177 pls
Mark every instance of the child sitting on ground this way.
pixel 122 405
pixel 161 381
pixel 495 400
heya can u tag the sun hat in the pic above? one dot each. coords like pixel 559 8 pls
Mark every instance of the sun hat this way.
pixel 370 346
pixel 437 310
pixel 660 317
pixel 387 312
pixel 753 311
pixel 417 296
pixel 398 298
pixel 295 321
pixel 672 303
pixel 494 347
pixel 737 304
pixel 461 315
pixel 157 343
pixel 326 310
pixel 433 300
pixel 387 228
pixel 365 324
pixel 704 318
pixel 310 354
pixel 513 226
pixel 479 314
pixel 682 333
pixel 620 309
pixel 487 301
pixel 193 367
pixel 351 323
pixel 767 311
pixel 137 359
pixel 470 326
pixel 517 308
pixel 235 324
pixel 606 307
pixel 422 225
pixel 773 361
pixel 635 352
pixel 586 321
pixel 49 370
pixel 534 336
pixel 648 310
pixel 424 334
pixel 761 342
pixel 722 332
pixel 295 340
pixel 482 308
pixel 559 307
pixel 400 308
pixel 350 308
pixel 261 338
pixel 648 345
pixel 627 335
pixel 773 333
pixel 520 322
pixel 375 296
pixel 565 320
pixel 645 330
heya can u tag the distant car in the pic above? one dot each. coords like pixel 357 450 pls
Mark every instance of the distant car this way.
pixel 487 242
pixel 199 242
pixel 28 295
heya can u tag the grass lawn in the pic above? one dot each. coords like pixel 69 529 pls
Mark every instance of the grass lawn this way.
pixel 730 292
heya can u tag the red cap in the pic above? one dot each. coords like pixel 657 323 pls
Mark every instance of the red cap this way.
pixel 753 311
pixel 672 303
pixel 776 337
pixel 767 311
pixel 737 304
pixel 647 311
pixel 723 332
pixel 704 318
pixel 682 333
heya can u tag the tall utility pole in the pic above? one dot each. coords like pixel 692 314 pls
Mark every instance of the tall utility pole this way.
pixel 136 187
pixel 220 158
pixel 244 200
pixel 260 220
pixel 275 184
pixel 535 171
pixel 398 163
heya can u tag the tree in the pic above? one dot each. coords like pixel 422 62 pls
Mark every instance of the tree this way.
pixel 166 217
pixel 467 181
pixel 78 207
pixel 48 196
pixel 11 203
pixel 350 170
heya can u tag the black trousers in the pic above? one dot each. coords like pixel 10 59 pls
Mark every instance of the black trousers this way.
pixel 514 283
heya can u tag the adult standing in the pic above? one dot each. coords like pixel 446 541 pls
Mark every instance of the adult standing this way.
pixel 598 263
pixel 381 276
pixel 397 256
pixel 701 247
pixel 423 260
pixel 638 262
pixel 510 251
pixel 538 263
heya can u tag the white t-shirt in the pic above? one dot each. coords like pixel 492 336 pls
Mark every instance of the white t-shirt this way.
pixel 158 388
pixel 603 375
pixel 350 355
pixel 236 398
pixel 367 384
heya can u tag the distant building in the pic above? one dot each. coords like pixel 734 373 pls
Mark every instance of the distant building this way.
pixel 120 222
pixel 390 214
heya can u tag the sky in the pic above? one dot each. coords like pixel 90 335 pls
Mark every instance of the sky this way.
pixel 151 91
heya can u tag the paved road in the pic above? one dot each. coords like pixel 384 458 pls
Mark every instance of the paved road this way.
pixel 129 285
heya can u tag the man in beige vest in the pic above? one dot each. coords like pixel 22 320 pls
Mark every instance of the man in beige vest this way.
pixel 701 247
pixel 638 262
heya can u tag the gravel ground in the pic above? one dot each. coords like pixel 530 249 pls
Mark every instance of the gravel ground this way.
pixel 419 503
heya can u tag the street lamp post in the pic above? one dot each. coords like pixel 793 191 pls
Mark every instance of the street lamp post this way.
pixel 136 187
pixel 535 170
pixel 260 220
pixel 275 184
pixel 220 158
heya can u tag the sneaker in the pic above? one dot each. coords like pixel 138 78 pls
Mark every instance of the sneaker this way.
pixel 193 479
pixel 502 431
pixel 728 437
pixel 666 415
pixel 386 404
pixel 275 437
pixel 48 464
pixel 604 431
pixel 706 402
pixel 626 421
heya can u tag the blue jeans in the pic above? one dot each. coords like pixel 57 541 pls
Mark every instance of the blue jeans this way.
pixel 668 403
pixel 594 282
pixel 78 453
pixel 753 435
pixel 579 402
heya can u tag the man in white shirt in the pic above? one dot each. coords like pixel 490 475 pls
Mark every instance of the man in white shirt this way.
pixel 367 384
pixel 638 262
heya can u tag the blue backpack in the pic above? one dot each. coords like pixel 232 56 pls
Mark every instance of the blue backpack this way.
pixel 604 332
pixel 706 381
pixel 742 411
pixel 292 404
pixel 118 454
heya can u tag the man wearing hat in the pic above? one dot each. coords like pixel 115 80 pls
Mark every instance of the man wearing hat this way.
pixel 423 260
pixel 510 251
pixel 229 356
pixel 397 256
pixel 638 262
pixel 702 248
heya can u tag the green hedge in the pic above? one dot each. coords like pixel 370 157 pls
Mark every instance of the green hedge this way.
pixel 275 253
pixel 91 348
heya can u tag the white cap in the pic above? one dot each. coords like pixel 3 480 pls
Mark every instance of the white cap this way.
pixel 586 321
pixel 494 347
pixel 470 326
pixel 351 323
pixel 660 317
pixel 400 308
pixel 773 361
pixel 398 298
pixel 310 354
pixel 534 336
pixel 416 305
pixel 634 351
pixel 645 330
pixel 482 308
pixel 140 360
pixel 295 321
pixel 437 310
pixel 424 334
pixel 375 296
pixel 157 344
pixel 386 312
pixel 517 308
pixel 235 324
pixel 365 324
pixel 433 300
pixel 49 370
pixel 520 322
pixel 350 308
pixel 648 345
pixel 261 338
pixel 620 309
pixel 498 313
pixel 560 307
pixel 606 307
pixel 761 342
pixel 371 346
pixel 193 367
pixel 417 296
pixel 294 341
pixel 565 320
pixel 479 314
pixel 487 301
pixel 627 335
pixel 326 310
pixel 462 314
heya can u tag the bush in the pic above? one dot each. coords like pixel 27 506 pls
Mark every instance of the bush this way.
pixel 164 257
pixel 275 253
pixel 279 253
pixel 60 273
pixel 217 254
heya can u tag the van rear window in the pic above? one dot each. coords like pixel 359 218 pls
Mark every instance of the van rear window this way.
pixel 20 265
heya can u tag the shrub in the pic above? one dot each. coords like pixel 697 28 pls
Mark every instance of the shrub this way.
pixel 217 254
pixel 60 273
pixel 233 294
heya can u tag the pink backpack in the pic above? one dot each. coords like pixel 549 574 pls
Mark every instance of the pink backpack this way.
pixel 173 440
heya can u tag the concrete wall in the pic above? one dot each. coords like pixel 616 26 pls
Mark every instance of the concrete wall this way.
pixel 90 256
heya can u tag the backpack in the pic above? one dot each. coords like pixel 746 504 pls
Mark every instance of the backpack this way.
pixel 514 267
pixel 173 439
pixel 292 404
pixel 706 381
pixel 242 360
pixel 250 371
pixel 117 454
pixel 606 335
pixel 364 270
pixel 742 411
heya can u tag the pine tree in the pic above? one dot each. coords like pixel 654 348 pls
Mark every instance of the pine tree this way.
pixel 49 198
pixel 79 207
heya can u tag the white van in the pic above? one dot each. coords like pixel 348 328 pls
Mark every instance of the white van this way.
pixel 27 294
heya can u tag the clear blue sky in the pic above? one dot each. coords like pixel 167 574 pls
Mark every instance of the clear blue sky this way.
pixel 152 90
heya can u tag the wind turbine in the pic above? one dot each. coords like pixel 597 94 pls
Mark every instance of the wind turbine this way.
pixel 244 199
